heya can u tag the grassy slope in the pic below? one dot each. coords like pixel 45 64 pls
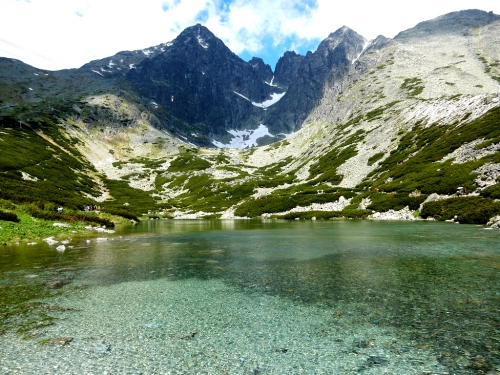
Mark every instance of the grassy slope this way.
pixel 405 178
pixel 58 176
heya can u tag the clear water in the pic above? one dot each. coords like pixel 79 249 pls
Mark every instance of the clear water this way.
pixel 256 297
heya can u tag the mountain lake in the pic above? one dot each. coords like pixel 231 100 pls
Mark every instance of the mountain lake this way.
pixel 255 297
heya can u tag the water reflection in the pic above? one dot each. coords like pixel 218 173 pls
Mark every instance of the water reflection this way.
pixel 436 283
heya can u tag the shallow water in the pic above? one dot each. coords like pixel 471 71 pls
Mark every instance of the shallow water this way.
pixel 256 297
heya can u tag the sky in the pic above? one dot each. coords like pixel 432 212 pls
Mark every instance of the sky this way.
pixel 60 34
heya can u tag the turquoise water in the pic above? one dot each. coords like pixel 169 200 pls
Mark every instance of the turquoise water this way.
pixel 257 297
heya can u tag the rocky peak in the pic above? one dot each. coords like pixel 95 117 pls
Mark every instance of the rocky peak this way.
pixel 122 62
pixel 199 36
pixel 201 89
pixel 262 69
pixel 316 72
pixel 287 68
pixel 347 41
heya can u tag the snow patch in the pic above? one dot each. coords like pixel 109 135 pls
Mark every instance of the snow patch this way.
pixel 265 104
pixel 244 138
pixel 202 42
pixel 26 176
pixel 147 52
pixel 271 83
pixel 111 63
pixel 95 71
pixel 367 44
pixel 243 96
pixel 131 66
pixel 274 99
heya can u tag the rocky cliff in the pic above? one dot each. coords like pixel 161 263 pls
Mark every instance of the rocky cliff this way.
pixel 201 83
pixel 323 70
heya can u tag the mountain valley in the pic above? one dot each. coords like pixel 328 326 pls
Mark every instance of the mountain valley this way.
pixel 402 128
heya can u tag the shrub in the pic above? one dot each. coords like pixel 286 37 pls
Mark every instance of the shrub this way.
pixel 123 213
pixel 491 192
pixel 9 216
pixel 71 217
pixel 375 158
pixel 385 202
pixel 326 166
pixel 355 213
pixel 281 203
pixel 188 162
pixel 469 210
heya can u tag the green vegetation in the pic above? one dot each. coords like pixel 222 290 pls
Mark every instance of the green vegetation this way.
pixel 412 86
pixel 188 162
pixel 127 201
pixel 492 191
pixel 40 225
pixel 373 159
pixel 416 164
pixel 385 202
pixel 325 169
pixel 283 202
pixel 40 169
pixel 468 210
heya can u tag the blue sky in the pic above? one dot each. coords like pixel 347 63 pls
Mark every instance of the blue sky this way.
pixel 57 34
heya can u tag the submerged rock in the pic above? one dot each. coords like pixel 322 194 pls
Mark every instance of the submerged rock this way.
pixel 59 341
pixel 189 336
pixel 102 349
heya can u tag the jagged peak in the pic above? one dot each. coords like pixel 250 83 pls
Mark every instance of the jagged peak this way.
pixel 341 34
pixel 354 42
pixel 199 33
pixel 197 29
pixel 291 54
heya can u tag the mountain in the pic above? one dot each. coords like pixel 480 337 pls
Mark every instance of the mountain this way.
pixel 371 126
pixel 317 72
pixel 204 85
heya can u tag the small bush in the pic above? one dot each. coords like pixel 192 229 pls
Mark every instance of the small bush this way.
pixel 188 162
pixel 9 216
pixel 375 158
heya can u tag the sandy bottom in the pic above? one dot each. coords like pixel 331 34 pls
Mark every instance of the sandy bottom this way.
pixel 206 327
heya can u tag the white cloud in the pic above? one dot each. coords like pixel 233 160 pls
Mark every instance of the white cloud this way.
pixel 71 33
